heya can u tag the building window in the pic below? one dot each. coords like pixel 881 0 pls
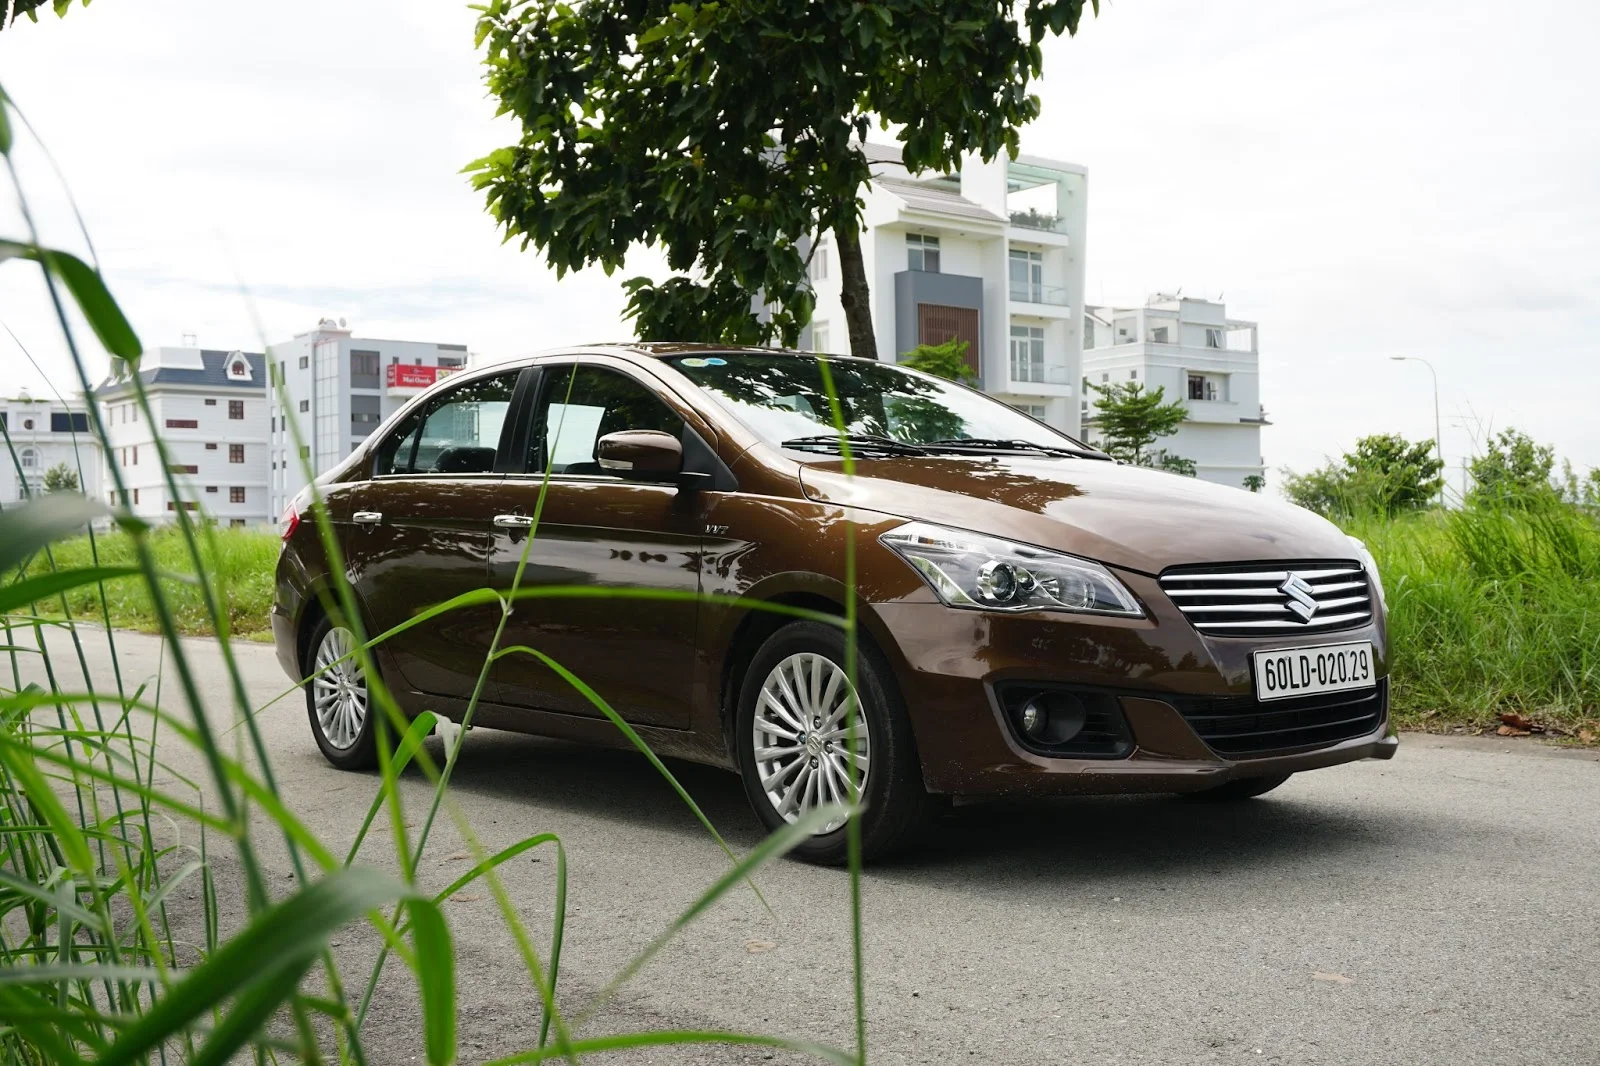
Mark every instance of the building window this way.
pixel 453 362
pixel 211 401
pixel 135 461
pixel 211 446
pixel 1088 333
pixel 305 451
pixel 30 458
pixel 819 263
pixel 235 409
pixel 364 364
pixel 305 405
pixel 1027 276
pixel 183 468
pixel 136 496
pixel 188 505
pixel 182 423
pixel 305 361
pixel 819 337
pixel 922 252
pixel 211 488
pixel 1133 375
pixel 65 422
pixel 236 523
pixel 1213 338
pixel 236 453
pixel 1032 410
pixel 1202 387
pixel 236 494
pixel 1158 335
pixel 27 423
pixel 283 371
pixel 1027 353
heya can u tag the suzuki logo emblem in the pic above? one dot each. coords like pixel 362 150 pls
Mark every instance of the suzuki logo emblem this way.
pixel 1302 603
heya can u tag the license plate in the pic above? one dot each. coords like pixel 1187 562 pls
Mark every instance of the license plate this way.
pixel 1285 672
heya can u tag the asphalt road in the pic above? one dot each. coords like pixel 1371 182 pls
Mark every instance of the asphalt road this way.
pixel 1439 908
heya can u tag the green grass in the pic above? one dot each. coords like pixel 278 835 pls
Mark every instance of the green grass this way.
pixel 240 563
pixel 1492 611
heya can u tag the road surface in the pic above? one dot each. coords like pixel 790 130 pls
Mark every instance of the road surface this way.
pixel 1439 908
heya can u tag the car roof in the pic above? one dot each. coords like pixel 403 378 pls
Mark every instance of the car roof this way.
pixel 669 349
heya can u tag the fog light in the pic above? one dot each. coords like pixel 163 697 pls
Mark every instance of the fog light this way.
pixel 1035 718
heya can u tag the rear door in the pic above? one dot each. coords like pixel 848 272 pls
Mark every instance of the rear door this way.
pixel 419 529
pixel 598 529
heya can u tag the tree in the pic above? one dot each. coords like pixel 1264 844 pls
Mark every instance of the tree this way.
pixel 1129 420
pixel 1385 474
pixel 30 9
pixel 728 135
pixel 1255 482
pixel 1580 491
pixel 1513 469
pixel 947 360
pixel 61 478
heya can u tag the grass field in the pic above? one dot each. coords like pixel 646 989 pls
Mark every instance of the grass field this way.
pixel 1489 611
pixel 240 561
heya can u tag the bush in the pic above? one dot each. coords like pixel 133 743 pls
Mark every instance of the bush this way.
pixel 1384 475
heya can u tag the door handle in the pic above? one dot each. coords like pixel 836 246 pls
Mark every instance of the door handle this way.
pixel 367 518
pixel 513 521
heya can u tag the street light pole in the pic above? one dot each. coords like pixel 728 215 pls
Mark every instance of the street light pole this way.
pixel 1438 438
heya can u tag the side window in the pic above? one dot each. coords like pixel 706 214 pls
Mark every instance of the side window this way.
pixel 458 433
pixel 577 411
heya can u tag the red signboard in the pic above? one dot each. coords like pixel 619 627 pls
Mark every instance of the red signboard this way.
pixel 402 376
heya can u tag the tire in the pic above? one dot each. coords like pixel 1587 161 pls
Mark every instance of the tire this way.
pixel 896 805
pixel 347 727
pixel 1242 789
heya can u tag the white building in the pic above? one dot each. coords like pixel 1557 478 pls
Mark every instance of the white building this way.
pixel 337 389
pixel 993 255
pixel 1193 351
pixel 44 434
pixel 210 410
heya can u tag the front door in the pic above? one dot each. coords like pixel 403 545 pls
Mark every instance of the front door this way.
pixel 418 531
pixel 599 530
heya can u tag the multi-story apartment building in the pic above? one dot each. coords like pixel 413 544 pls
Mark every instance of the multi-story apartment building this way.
pixel 1191 350
pixel 210 409
pixel 45 434
pixel 337 388
pixel 993 255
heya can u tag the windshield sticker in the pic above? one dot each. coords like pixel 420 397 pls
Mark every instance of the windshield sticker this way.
pixel 693 363
pixel 714 361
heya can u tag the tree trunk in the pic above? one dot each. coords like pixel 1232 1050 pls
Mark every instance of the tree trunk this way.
pixel 854 294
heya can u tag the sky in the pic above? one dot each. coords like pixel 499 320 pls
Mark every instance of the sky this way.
pixel 1364 179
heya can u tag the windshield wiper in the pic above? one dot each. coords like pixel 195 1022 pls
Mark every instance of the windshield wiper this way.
pixel 862 441
pixel 990 444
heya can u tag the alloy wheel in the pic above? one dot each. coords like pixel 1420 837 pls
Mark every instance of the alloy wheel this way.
pixel 339 690
pixel 801 737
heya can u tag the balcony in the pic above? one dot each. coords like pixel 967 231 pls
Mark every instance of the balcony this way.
pixel 1029 378
pixel 1047 295
pixel 1032 218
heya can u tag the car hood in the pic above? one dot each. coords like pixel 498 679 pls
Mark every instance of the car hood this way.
pixel 1128 516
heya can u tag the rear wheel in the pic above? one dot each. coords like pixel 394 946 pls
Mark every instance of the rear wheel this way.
pixel 793 742
pixel 1242 789
pixel 338 700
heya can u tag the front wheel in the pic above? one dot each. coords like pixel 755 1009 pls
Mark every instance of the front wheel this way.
pixel 339 702
pixel 793 743
pixel 1242 789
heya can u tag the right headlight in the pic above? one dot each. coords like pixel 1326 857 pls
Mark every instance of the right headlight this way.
pixel 977 572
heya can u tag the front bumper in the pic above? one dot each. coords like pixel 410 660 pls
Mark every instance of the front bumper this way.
pixel 948 663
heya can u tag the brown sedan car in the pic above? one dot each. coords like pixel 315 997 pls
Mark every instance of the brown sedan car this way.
pixel 1034 618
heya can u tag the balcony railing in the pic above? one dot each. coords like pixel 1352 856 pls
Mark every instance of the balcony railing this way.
pixel 1054 295
pixel 1030 372
pixel 1035 219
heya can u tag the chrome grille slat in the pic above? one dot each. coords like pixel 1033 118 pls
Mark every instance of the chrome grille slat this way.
pixel 1251 599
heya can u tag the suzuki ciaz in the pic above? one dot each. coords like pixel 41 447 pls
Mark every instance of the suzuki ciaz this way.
pixel 1034 618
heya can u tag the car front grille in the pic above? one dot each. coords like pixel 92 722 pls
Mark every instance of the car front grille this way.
pixel 1272 599
pixel 1244 726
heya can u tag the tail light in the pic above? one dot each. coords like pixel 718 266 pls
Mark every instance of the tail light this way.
pixel 290 521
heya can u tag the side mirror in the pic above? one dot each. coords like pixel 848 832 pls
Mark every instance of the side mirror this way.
pixel 642 454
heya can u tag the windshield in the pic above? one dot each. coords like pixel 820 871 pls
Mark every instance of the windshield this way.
pixel 782 398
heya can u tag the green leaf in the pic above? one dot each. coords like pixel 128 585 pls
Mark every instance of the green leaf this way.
pixel 436 977
pixel 283 938
pixel 33 589
pixel 41 521
pixel 5 125
pixel 88 290
pixel 18 761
